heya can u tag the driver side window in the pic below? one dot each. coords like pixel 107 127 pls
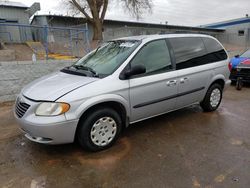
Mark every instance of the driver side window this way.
pixel 154 56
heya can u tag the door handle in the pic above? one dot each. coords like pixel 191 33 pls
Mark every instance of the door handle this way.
pixel 183 80
pixel 171 83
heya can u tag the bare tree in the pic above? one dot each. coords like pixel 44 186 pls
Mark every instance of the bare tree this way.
pixel 95 11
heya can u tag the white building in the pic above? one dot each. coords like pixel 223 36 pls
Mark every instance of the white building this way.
pixel 237 31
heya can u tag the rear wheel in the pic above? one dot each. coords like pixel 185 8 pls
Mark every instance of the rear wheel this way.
pixel 100 129
pixel 212 99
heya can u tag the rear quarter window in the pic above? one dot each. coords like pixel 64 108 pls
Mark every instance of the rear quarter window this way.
pixel 188 51
pixel 215 51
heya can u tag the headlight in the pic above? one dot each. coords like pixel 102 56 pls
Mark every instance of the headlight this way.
pixel 52 109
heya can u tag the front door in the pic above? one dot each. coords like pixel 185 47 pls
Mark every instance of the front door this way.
pixel 154 92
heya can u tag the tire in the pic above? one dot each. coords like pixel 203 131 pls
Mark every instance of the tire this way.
pixel 239 85
pixel 101 125
pixel 210 104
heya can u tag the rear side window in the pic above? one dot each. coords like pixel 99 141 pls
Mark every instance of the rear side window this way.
pixel 214 50
pixel 189 52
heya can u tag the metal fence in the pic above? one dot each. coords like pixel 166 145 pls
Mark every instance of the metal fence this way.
pixel 56 42
pixel 50 41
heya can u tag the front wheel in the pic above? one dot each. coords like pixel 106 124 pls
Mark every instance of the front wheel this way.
pixel 239 84
pixel 212 99
pixel 100 129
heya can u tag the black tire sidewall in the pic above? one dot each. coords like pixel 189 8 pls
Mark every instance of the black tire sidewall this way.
pixel 238 85
pixel 206 105
pixel 86 124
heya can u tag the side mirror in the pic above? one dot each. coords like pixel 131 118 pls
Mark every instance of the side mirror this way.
pixel 237 56
pixel 135 70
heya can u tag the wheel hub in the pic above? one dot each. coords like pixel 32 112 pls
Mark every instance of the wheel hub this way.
pixel 103 131
pixel 215 97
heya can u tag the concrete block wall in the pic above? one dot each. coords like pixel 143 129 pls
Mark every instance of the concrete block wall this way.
pixel 15 75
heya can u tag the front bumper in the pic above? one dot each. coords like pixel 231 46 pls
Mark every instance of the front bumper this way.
pixel 241 72
pixel 57 133
pixel 46 130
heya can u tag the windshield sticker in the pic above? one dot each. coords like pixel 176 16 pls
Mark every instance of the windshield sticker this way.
pixel 127 44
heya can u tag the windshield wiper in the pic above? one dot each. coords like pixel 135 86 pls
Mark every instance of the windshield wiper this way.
pixel 89 69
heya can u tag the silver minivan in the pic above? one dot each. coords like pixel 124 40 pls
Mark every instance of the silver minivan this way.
pixel 122 82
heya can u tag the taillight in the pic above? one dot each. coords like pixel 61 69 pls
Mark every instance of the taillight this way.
pixel 230 66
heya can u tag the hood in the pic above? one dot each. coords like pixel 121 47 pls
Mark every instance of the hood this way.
pixel 244 64
pixel 53 86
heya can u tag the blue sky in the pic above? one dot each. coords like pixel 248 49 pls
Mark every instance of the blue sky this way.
pixel 175 12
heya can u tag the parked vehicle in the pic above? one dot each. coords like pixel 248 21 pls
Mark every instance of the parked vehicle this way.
pixel 122 82
pixel 240 70
pixel 235 61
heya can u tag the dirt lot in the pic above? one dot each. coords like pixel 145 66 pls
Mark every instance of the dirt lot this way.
pixel 187 148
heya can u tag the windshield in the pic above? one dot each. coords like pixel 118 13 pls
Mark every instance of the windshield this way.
pixel 246 54
pixel 105 59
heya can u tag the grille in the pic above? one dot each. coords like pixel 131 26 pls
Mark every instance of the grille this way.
pixel 21 108
pixel 243 73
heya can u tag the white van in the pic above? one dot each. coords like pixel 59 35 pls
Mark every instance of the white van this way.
pixel 122 82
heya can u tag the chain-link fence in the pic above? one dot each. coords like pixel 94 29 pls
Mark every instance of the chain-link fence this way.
pixel 50 42
pixel 69 42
